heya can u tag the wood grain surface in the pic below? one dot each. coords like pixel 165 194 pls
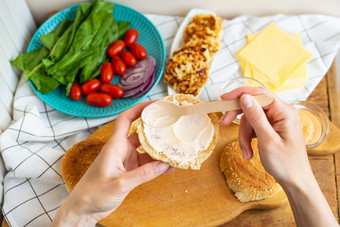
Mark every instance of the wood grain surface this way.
pixel 334 107
pixel 330 145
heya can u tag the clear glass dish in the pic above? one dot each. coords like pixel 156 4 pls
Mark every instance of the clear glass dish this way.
pixel 319 115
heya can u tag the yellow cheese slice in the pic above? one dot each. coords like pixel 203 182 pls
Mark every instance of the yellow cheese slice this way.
pixel 275 55
pixel 293 82
pixel 294 37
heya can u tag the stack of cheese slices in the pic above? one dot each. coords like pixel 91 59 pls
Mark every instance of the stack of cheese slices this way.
pixel 275 58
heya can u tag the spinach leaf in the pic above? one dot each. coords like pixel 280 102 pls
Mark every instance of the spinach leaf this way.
pixel 50 39
pixel 43 82
pixel 73 49
pixel 92 69
pixel 27 62
pixel 64 42
pixel 87 39
pixel 99 56
pixel 123 26
pixel 82 12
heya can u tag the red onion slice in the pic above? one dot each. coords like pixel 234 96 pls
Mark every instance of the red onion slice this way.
pixel 146 89
pixel 136 90
pixel 138 74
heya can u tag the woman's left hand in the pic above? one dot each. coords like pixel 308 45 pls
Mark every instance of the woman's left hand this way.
pixel 114 173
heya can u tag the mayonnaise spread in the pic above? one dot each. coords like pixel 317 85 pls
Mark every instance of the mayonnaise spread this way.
pixel 180 140
pixel 311 127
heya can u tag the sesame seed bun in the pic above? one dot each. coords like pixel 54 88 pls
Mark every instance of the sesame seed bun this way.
pixel 160 155
pixel 247 178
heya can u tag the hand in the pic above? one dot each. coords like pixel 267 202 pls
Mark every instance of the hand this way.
pixel 278 130
pixel 114 173
pixel 282 152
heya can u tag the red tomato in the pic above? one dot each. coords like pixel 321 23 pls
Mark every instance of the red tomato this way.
pixel 99 99
pixel 113 90
pixel 106 73
pixel 75 91
pixel 128 58
pixel 138 51
pixel 116 48
pixel 131 36
pixel 118 65
pixel 91 86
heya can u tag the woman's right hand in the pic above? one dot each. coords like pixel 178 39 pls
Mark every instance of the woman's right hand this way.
pixel 282 152
pixel 278 130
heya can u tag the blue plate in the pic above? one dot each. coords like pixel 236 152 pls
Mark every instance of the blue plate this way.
pixel 149 37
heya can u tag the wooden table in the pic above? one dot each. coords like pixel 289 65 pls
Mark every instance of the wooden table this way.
pixel 325 168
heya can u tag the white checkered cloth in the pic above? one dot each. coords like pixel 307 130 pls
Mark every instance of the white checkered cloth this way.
pixel 32 147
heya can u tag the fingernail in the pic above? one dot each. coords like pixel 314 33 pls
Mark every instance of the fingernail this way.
pixel 161 167
pixel 246 101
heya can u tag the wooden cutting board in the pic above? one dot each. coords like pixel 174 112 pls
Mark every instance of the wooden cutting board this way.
pixel 185 197
pixel 193 197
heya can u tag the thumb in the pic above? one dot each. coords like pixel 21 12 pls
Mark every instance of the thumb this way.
pixel 256 117
pixel 144 173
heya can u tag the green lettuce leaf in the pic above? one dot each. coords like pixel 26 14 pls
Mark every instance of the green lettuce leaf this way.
pixel 88 38
pixel 27 62
pixel 92 69
pixel 64 42
pixel 50 39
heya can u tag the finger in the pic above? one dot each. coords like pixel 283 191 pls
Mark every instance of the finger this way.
pixel 256 117
pixel 228 117
pixel 124 119
pixel 238 92
pixel 245 135
pixel 143 174
pixel 146 158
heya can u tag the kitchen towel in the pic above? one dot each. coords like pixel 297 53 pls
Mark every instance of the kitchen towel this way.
pixel 35 142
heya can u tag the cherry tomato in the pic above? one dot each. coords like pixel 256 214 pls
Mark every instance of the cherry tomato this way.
pixel 116 48
pixel 131 36
pixel 99 99
pixel 106 73
pixel 75 91
pixel 113 90
pixel 138 51
pixel 118 65
pixel 128 58
pixel 91 86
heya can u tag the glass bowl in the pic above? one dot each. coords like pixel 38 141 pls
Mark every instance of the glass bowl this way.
pixel 237 83
pixel 312 112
